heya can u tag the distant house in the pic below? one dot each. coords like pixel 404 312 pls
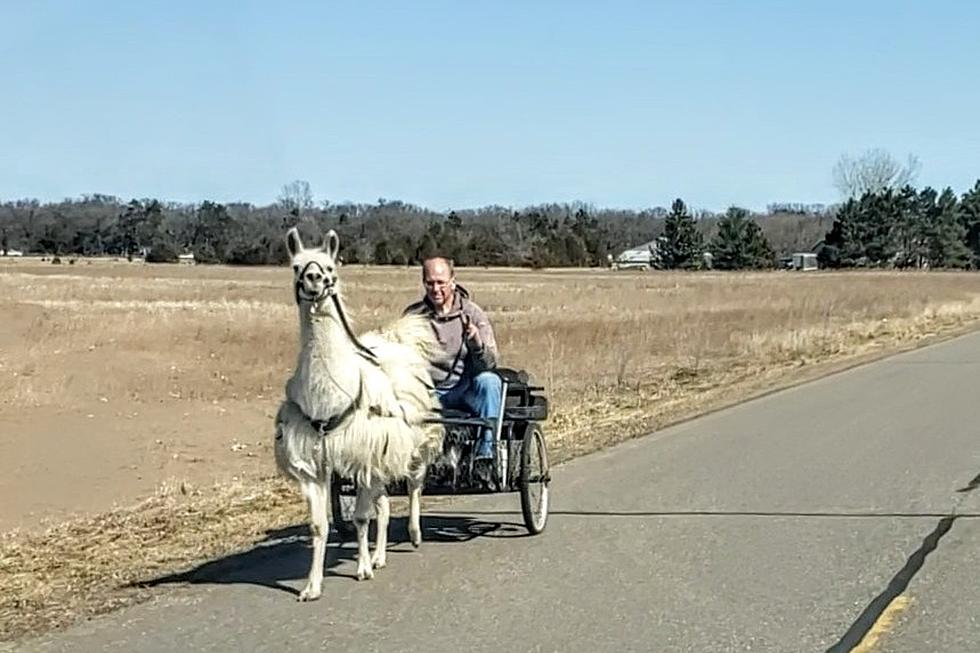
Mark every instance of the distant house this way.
pixel 13 252
pixel 186 259
pixel 804 261
pixel 641 256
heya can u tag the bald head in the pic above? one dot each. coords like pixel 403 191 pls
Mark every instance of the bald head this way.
pixel 439 279
pixel 438 265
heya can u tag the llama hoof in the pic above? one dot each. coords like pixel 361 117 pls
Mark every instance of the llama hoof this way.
pixel 378 562
pixel 365 574
pixel 309 594
pixel 415 537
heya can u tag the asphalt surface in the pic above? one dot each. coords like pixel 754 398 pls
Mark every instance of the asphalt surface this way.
pixel 783 524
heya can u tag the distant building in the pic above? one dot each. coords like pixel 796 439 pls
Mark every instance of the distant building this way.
pixel 804 261
pixel 641 256
pixel 12 252
pixel 186 259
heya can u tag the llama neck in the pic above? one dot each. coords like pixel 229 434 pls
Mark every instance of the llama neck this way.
pixel 327 374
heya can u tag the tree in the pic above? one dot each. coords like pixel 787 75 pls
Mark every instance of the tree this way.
pixel 426 248
pixel 842 244
pixel 682 244
pixel 910 233
pixel 296 197
pixel 382 254
pixel 873 171
pixel 212 233
pixel 740 243
pixel 869 231
pixel 968 213
pixel 945 235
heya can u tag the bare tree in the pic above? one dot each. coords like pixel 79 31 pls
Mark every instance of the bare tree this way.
pixel 296 196
pixel 874 170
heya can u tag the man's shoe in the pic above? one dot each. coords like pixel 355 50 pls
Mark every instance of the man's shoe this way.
pixel 483 472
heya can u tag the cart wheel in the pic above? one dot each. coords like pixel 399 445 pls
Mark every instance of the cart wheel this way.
pixel 342 507
pixel 534 479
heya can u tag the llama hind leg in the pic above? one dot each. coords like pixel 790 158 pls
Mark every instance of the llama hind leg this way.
pixel 380 557
pixel 362 519
pixel 316 497
pixel 414 509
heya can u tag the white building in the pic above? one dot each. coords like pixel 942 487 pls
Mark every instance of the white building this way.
pixel 640 256
pixel 805 261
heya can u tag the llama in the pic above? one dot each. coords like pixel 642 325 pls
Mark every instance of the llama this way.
pixel 356 407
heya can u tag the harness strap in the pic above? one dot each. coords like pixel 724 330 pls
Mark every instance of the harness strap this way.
pixel 326 427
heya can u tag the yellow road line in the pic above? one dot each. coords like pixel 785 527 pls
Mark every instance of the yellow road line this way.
pixel 884 624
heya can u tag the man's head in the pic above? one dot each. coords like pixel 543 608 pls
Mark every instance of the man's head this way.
pixel 439 280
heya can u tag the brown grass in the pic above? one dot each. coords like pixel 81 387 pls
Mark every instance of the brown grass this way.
pixel 619 353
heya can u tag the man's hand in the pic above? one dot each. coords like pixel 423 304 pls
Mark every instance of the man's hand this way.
pixel 471 333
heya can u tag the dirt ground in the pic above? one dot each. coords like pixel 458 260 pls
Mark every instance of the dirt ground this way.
pixel 61 461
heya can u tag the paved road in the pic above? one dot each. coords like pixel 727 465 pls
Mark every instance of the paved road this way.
pixel 783 524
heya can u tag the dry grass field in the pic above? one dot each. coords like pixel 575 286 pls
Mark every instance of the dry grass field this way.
pixel 136 401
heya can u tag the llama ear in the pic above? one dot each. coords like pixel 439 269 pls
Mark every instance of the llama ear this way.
pixel 331 243
pixel 293 243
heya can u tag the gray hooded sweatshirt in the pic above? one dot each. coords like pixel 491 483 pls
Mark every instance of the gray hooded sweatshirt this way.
pixel 457 359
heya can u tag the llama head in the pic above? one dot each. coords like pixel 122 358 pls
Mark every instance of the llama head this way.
pixel 315 268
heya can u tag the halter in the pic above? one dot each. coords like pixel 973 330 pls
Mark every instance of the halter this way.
pixel 331 291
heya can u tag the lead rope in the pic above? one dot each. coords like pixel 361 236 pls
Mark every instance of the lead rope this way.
pixel 367 353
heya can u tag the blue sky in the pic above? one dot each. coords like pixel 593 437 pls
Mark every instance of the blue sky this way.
pixel 463 104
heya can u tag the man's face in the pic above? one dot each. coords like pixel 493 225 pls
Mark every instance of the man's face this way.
pixel 439 283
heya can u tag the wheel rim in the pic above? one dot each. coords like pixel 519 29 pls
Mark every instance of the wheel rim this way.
pixel 346 505
pixel 537 480
pixel 342 506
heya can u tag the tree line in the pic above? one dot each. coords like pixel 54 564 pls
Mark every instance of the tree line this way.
pixel 902 228
pixel 906 228
pixel 383 233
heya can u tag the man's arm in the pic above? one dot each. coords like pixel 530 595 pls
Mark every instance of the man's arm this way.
pixel 484 351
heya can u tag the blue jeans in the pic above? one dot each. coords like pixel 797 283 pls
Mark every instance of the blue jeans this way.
pixel 480 395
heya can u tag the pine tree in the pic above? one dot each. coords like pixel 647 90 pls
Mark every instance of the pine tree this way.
pixel 880 214
pixel 946 236
pixel 682 244
pixel 866 232
pixel 834 253
pixel 968 213
pixel 740 243
pixel 910 229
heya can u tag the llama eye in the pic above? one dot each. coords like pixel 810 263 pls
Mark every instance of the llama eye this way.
pixel 295 268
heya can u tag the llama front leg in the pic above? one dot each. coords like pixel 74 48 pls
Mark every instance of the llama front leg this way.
pixel 316 497
pixel 362 519
pixel 380 557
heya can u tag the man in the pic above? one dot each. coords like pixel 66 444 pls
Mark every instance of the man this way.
pixel 462 375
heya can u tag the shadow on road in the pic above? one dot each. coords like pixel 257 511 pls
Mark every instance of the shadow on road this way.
pixel 284 554
pixel 736 513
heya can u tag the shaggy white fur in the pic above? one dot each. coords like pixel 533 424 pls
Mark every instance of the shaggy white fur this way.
pixel 378 402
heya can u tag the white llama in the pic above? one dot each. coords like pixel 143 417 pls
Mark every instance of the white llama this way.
pixel 354 406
